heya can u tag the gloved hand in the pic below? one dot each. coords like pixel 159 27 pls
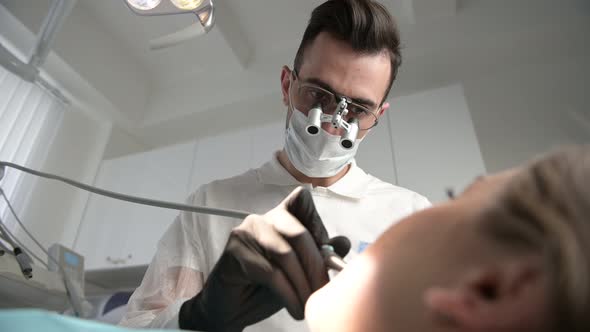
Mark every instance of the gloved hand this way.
pixel 269 262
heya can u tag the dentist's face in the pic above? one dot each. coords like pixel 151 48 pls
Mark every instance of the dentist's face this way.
pixel 336 67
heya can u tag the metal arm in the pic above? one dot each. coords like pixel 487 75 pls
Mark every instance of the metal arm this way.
pixel 59 11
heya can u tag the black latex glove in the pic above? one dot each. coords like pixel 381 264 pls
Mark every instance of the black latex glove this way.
pixel 270 262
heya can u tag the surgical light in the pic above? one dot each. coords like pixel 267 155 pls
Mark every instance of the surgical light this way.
pixel 202 9
pixel 168 7
pixel 144 4
pixel 187 4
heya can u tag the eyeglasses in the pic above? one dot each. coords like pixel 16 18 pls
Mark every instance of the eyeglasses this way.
pixel 308 95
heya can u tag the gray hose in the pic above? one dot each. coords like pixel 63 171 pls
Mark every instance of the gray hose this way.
pixel 237 214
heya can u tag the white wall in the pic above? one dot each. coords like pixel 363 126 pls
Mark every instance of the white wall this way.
pixel 55 209
pixel 434 142
pixel 523 111
pixel 252 112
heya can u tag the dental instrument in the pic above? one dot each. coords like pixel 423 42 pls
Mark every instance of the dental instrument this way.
pixel 332 260
pixel 74 290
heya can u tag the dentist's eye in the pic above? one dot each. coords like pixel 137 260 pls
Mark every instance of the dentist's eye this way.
pixel 318 97
pixel 356 110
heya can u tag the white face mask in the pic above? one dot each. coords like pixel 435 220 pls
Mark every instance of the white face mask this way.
pixel 318 156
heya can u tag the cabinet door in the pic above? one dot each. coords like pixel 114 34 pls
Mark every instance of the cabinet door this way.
pixel 117 234
pixel 221 156
pixel 103 226
pixel 434 142
pixel 164 176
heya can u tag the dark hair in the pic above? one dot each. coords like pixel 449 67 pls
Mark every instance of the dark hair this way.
pixel 366 25
pixel 546 209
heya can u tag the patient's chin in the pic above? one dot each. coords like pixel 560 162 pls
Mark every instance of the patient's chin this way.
pixel 315 309
pixel 311 306
pixel 335 306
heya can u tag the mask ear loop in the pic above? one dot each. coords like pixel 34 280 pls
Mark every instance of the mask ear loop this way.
pixel 291 83
pixel 290 106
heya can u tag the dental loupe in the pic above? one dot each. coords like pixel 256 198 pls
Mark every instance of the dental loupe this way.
pixel 316 117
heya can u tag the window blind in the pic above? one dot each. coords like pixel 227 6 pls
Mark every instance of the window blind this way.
pixel 29 120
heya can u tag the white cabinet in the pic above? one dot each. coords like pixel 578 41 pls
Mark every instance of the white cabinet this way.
pixel 434 142
pixel 121 234
pixel 231 154
pixel 115 233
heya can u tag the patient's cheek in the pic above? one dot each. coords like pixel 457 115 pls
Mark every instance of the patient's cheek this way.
pixel 343 304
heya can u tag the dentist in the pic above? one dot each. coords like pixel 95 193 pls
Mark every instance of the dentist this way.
pixel 334 95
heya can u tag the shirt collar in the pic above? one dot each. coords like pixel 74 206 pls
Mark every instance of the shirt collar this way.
pixel 274 173
pixel 354 184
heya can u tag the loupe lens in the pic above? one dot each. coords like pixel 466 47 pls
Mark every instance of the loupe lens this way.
pixel 314 120
pixel 347 144
pixel 312 130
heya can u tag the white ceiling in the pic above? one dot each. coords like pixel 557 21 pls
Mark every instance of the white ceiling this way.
pixel 177 93
pixel 165 66
pixel 246 35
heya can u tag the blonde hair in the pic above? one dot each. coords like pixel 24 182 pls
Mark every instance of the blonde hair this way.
pixel 546 209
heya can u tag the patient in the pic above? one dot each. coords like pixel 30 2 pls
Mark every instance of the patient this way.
pixel 512 253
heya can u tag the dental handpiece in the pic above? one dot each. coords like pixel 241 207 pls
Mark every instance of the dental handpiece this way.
pixel 331 259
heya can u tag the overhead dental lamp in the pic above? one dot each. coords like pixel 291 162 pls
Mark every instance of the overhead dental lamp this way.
pixel 202 9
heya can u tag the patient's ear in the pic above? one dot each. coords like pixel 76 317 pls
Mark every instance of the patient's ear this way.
pixel 509 296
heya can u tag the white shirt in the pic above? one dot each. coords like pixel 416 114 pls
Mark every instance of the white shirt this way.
pixel 358 206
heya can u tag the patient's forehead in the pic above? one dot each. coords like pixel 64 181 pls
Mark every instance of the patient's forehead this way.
pixel 486 186
pixel 456 219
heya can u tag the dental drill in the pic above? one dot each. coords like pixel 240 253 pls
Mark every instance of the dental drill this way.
pixel 316 117
pixel 332 260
